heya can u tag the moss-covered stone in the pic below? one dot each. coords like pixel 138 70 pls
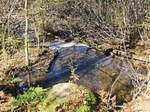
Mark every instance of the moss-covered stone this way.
pixel 68 96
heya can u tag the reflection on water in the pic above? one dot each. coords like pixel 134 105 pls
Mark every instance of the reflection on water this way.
pixel 95 70
pixel 91 67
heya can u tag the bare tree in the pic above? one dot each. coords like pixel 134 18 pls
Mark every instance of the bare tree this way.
pixel 26 34
pixel 26 40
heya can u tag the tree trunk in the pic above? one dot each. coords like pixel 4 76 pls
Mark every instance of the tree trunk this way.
pixel 26 34
pixel 37 36
pixel 27 61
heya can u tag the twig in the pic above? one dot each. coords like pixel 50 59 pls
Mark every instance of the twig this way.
pixel 110 93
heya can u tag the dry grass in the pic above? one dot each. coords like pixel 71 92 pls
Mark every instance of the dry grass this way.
pixel 5 102
pixel 17 59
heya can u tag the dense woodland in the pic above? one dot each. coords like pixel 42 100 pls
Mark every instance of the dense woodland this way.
pixel 117 28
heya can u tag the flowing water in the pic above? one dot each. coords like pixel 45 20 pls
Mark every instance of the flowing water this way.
pixel 92 69
pixel 83 65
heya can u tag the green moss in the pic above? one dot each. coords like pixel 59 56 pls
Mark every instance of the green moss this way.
pixel 91 99
pixel 16 80
pixel 49 105
pixel 5 52
pixel 83 108
pixel 90 105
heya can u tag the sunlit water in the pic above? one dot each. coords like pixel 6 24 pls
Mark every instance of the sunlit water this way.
pixel 84 61
pixel 94 69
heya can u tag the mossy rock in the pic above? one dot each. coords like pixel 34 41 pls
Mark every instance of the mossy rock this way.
pixel 60 94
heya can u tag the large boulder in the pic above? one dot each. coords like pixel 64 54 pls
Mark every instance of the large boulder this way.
pixel 69 94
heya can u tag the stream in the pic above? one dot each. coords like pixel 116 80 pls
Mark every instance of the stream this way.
pixel 85 66
pixel 92 69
